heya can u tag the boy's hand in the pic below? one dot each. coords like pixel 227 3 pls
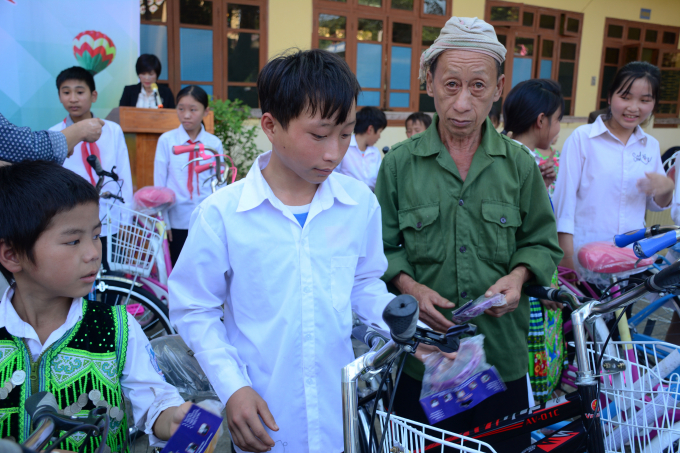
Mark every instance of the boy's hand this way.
pixel 548 172
pixel 244 409
pixel 167 423
pixel 178 416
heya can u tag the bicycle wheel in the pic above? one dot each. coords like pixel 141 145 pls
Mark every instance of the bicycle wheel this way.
pixel 147 309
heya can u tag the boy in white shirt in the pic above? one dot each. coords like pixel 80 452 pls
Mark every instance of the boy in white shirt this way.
pixel 289 250
pixel 77 93
pixel 86 354
pixel 363 160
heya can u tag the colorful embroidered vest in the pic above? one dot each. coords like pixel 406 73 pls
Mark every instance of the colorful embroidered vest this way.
pixel 86 362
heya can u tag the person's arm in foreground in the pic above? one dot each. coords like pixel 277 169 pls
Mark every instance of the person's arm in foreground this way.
pixel 399 271
pixel 198 289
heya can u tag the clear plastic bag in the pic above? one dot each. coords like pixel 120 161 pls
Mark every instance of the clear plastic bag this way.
pixel 601 259
pixel 151 199
pixel 181 368
pixel 476 307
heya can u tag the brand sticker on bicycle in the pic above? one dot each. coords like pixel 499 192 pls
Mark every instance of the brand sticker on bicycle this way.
pixel 594 405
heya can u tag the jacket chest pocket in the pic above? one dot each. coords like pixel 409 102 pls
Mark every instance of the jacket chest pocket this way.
pixel 422 230
pixel 496 231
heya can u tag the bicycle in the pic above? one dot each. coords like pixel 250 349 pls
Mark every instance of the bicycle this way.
pixel 585 433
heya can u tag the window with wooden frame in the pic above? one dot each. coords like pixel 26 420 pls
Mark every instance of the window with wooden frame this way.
pixel 219 45
pixel 626 41
pixel 541 42
pixel 382 41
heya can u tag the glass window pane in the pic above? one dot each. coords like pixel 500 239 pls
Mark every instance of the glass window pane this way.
pixel 369 99
pixel 547 21
pixel 400 100
pixel 430 34
pixel 246 94
pixel 546 69
pixel 208 88
pixel 401 33
pixel 568 51
pixel 651 35
pixel 505 13
pixel 547 49
pixel 528 19
pixel 400 68
pixel 243 57
pixel 650 56
pixel 425 103
pixel 331 26
pixel 436 7
pixel 195 12
pixel 668 37
pixel 634 33
pixel 669 109
pixel 370 30
pixel 196 54
pixel 243 16
pixel 572 25
pixel 153 39
pixel 377 3
pixel 403 4
pixel 670 60
pixel 630 55
pixel 670 86
pixel 567 107
pixel 607 78
pixel 151 10
pixel 611 55
pixel 615 31
pixel 521 70
pixel 524 47
pixel 566 78
pixel 337 47
pixel 369 65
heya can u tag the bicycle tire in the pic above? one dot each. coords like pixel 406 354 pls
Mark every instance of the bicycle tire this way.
pixel 116 293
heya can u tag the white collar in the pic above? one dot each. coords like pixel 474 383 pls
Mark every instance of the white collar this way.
pixel 256 190
pixel 184 136
pixel 69 122
pixel 599 128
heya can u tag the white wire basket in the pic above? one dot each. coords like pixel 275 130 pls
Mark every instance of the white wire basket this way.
pixel 641 405
pixel 133 240
pixel 406 436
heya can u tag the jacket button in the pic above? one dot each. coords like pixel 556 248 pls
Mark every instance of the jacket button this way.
pixel 419 225
pixel 463 294
pixel 461 202
pixel 503 220
pixel 463 249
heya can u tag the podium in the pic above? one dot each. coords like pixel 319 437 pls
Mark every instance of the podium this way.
pixel 147 125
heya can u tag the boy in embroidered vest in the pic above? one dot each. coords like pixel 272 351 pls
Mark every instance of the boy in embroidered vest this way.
pixel 85 353
pixel 77 93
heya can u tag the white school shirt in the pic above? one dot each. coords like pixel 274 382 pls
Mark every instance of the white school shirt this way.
pixel 141 382
pixel 596 196
pixel 288 295
pixel 148 101
pixel 359 165
pixel 168 172
pixel 113 152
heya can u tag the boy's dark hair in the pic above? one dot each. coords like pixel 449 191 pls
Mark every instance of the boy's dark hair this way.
pixel 76 73
pixel 527 101
pixel 495 112
pixel 31 194
pixel 307 81
pixel 147 63
pixel 419 116
pixel 195 92
pixel 631 72
pixel 370 116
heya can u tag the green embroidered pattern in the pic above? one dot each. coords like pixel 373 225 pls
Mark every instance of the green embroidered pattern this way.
pixel 71 364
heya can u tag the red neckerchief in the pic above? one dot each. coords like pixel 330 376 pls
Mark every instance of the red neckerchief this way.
pixel 190 183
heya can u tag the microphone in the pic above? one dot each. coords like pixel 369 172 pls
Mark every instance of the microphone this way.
pixel 154 87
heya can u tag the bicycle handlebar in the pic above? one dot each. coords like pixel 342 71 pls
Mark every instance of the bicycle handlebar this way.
pixel 97 166
pixel 625 239
pixel 646 248
pixel 401 316
pixel 181 149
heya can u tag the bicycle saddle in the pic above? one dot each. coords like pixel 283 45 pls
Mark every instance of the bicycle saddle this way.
pixel 607 258
pixel 153 198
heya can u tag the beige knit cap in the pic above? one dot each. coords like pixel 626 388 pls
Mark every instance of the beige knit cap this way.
pixel 468 33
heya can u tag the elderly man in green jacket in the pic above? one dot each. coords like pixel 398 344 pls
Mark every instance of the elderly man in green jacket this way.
pixel 465 213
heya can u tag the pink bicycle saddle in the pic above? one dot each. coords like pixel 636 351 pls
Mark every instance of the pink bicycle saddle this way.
pixel 607 258
pixel 155 198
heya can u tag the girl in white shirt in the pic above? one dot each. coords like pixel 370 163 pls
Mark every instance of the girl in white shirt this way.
pixel 189 187
pixel 611 171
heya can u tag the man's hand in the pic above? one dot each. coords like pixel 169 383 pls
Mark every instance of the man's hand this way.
pixel 427 300
pixel 548 172
pixel 424 350
pixel 244 409
pixel 511 286
pixel 83 131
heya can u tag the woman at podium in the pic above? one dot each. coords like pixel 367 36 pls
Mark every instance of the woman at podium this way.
pixel 147 94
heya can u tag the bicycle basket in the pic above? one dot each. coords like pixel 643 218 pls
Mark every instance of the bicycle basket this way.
pixel 132 240
pixel 406 436
pixel 641 405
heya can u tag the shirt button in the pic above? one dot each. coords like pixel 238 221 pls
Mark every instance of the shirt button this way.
pixel 463 249
pixel 308 337
pixel 503 220
pixel 461 202
pixel 306 289
pixel 309 381
pixel 463 294
pixel 419 225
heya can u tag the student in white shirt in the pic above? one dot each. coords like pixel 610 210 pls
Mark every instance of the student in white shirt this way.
pixel 51 257
pixel 611 171
pixel 363 160
pixel 416 123
pixel 77 93
pixel 169 170
pixel 284 256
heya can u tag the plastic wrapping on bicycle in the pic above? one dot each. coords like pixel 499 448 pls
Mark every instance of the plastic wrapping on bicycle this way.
pixel 666 279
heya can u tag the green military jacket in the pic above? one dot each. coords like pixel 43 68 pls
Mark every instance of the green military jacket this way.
pixel 459 237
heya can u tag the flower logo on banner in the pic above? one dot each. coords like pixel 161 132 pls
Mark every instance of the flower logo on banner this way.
pixel 93 50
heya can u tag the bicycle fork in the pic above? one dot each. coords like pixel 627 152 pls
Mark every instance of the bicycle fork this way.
pixel 592 423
